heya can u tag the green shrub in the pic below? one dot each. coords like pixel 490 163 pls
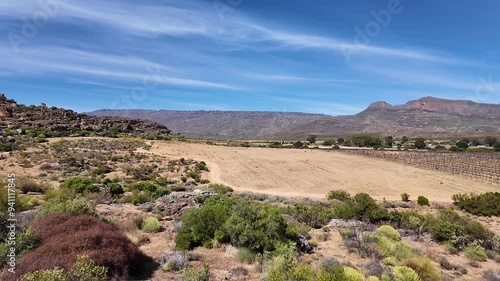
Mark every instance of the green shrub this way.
pixel 315 215
pixel 329 143
pixel 258 227
pixel 200 225
pixel 481 205
pixel 116 189
pixel 404 273
pixel 191 274
pixel 352 274
pixel 245 255
pixel 80 185
pixel 403 251
pixel 340 195
pixel 101 170
pixel 388 232
pixel 405 197
pixel 142 186
pixel 26 241
pixel 423 201
pixel 195 176
pixel 423 267
pixel 73 207
pixel 46 275
pixel 361 207
pixel 384 244
pixel 475 252
pixel 201 166
pixel 221 189
pixel 151 225
pixel 85 269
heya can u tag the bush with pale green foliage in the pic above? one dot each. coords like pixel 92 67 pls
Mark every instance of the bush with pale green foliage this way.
pixel 46 275
pixel 423 267
pixel 388 232
pixel 475 252
pixel 352 274
pixel 403 251
pixel 384 244
pixel 62 206
pixel 85 269
pixel 192 274
pixel 151 225
pixel 404 273
pixel 372 278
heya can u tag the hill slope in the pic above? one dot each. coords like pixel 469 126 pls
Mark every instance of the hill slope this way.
pixel 21 120
pixel 430 117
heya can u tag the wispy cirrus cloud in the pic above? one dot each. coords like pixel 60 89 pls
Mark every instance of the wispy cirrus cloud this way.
pixel 191 18
pixel 294 78
pixel 50 60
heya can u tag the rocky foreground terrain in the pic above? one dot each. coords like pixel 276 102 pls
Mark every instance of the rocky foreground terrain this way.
pixel 428 117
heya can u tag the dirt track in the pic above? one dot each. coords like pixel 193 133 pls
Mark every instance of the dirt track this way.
pixel 313 173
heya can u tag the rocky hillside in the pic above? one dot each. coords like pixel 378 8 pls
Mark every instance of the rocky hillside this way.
pixel 428 117
pixel 34 121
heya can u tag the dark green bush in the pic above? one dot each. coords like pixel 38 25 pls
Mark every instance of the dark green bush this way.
pixel 101 170
pixel 80 185
pixel 315 215
pixel 200 225
pixel 423 201
pixel 361 207
pixel 487 204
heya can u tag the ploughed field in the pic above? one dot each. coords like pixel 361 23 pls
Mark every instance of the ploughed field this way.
pixel 313 173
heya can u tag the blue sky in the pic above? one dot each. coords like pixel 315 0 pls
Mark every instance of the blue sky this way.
pixel 332 57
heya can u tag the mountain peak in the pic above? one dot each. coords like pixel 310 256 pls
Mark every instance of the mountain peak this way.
pixel 379 105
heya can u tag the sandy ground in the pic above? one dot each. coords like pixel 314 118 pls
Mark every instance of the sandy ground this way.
pixel 312 173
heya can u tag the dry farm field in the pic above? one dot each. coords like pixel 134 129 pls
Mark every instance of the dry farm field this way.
pixel 312 173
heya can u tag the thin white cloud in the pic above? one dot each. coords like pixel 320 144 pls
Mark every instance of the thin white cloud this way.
pixel 198 19
pixel 293 78
pixel 68 61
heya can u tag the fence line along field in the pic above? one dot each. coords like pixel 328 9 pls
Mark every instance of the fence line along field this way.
pixel 480 166
pixel 313 172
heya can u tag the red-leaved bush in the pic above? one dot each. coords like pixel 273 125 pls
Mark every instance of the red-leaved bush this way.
pixel 64 237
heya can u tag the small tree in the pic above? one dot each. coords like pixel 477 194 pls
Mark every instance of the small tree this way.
pixel 312 139
pixel 405 197
pixel 328 143
pixel 388 141
pixel 404 139
pixel 298 144
pixel 490 141
pixel 340 141
pixel 420 143
pixel 463 144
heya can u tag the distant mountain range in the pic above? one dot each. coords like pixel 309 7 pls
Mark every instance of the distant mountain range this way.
pixel 429 117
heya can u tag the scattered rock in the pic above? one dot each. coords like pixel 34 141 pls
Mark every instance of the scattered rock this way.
pixel 345 223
